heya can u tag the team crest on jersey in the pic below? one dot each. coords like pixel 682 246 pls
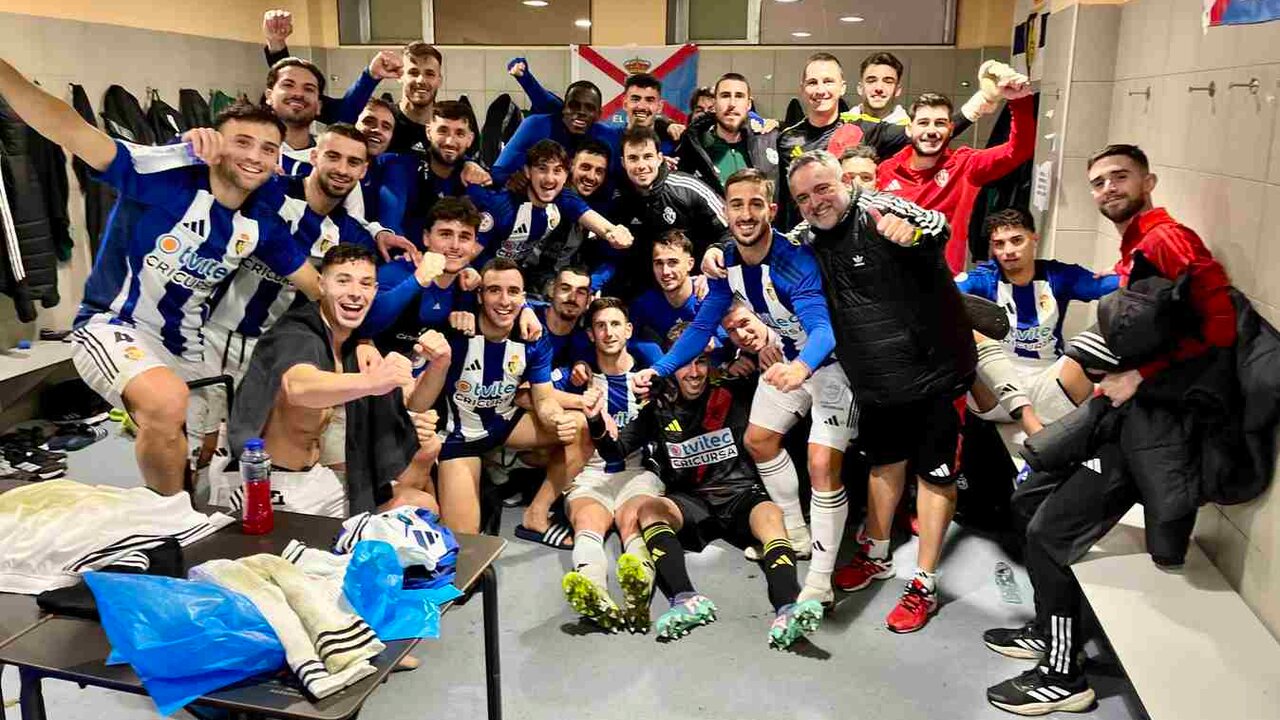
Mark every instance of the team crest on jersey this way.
pixel 168 244
pixel 942 177
pixel 327 241
pixel 486 222
pixel 796 151
pixel 669 215
pixel 134 353
pixel 242 243
pixel 771 155
pixel 1045 300
pixel 893 185
pixel 513 365
pixel 769 291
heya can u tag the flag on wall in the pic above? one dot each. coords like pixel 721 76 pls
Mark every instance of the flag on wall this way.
pixel 608 67
pixel 1239 12
pixel 1029 37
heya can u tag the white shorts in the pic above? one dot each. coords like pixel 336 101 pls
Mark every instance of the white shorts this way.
pixel 317 491
pixel 225 353
pixel 613 489
pixel 827 393
pixel 1047 396
pixel 108 357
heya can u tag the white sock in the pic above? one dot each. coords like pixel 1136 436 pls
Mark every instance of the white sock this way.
pixel 997 372
pixel 636 546
pixel 928 579
pixel 780 479
pixel 828 510
pixel 589 557
pixel 877 549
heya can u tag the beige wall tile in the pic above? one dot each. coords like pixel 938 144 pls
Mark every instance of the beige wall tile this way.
pixel 758 66
pixel 1057 47
pixel 712 63
pixel 1229 223
pixel 1252 119
pixel 1271 96
pixel 1088 117
pixel 938 70
pixel 1134 117
pixel 1075 208
pixel 1267 250
pixel 465 68
pixel 1142 50
pixel 1097 35
pixel 1171 121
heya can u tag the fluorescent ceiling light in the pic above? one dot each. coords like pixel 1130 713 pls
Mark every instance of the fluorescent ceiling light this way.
pixel 851 19
pixel 582 23
pixel 786 1
pixel 800 34
pixel 536 3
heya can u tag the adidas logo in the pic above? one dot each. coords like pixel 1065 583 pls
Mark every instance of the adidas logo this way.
pixel 1095 465
pixel 673 426
pixel 474 366
pixel 858 261
pixel 941 471
pixel 893 185
pixel 818 546
pixel 196 226
pixel 784 560
pixel 832 421
pixel 436 306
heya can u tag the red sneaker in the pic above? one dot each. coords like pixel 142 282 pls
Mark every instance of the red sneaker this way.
pixel 861 571
pixel 913 609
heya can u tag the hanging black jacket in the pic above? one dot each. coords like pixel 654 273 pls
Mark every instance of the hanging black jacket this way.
pixel 33 214
pixel 195 109
pixel 762 152
pixel 902 333
pixel 500 123
pixel 123 119
pixel 99 197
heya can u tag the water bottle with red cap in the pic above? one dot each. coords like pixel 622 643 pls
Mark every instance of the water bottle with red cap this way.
pixel 258 517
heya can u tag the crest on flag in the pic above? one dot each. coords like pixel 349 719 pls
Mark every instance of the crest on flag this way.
pixel 609 67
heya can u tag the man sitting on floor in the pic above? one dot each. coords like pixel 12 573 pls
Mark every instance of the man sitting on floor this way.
pixel 304 368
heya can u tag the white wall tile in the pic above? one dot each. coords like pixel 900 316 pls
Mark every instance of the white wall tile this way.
pixel 1229 224
pixel 1252 120
pixel 1075 208
pixel 1171 121
pixel 1088 117
pixel 1134 116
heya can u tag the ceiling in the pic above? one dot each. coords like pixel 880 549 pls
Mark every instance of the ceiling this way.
pixel 884 22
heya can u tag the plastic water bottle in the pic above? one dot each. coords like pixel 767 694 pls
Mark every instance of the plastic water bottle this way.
pixel 1007 584
pixel 258 517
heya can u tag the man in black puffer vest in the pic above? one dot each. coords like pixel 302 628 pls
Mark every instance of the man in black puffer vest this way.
pixel 905 341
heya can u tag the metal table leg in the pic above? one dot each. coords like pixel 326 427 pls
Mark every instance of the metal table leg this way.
pixel 489 586
pixel 31 699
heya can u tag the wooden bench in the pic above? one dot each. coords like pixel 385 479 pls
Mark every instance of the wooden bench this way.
pixel 1186 639
pixel 23 371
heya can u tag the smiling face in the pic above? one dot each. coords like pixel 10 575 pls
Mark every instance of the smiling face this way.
pixel 692 378
pixel 420 80
pixel 822 87
pixel 610 332
pixel 377 123
pixel 456 241
pixel 642 105
pixel 501 297
pixel 641 161
pixel 930 130
pixel 1120 187
pixel 581 110
pixel 820 194
pixel 546 180
pixel 338 163
pixel 879 86
pixel 745 329
pixel 589 171
pixel 450 139
pixel 671 266
pixel 250 154
pixel 295 97
pixel 347 291
pixel 732 102
pixel 749 212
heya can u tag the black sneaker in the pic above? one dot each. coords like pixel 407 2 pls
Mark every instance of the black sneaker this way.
pixel 74 437
pixel 1026 642
pixel 986 317
pixel 1036 692
pixel 42 470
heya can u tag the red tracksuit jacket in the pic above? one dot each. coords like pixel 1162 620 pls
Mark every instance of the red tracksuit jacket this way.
pixel 1175 249
pixel 951 186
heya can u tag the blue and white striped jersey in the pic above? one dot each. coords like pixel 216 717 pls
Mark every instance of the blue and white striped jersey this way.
pixel 169 246
pixel 1036 310
pixel 511 226
pixel 256 296
pixel 482 382
pixel 623 406
pixel 785 291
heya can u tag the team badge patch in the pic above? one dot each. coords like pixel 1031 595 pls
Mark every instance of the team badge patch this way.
pixel 134 353
pixel 771 154
pixel 486 222
pixel 242 242
pixel 669 215
pixel 942 177
pixel 513 365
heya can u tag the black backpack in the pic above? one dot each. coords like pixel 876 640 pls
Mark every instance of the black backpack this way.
pixel 166 123
pixel 195 109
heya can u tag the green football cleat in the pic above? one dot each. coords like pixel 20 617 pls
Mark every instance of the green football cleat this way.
pixel 636 578
pixel 591 601
pixel 686 614
pixel 793 622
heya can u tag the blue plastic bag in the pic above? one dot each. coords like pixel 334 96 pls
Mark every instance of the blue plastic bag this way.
pixel 374 587
pixel 151 621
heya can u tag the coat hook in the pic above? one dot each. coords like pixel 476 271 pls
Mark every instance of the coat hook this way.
pixel 1211 88
pixel 1254 84
pixel 1145 93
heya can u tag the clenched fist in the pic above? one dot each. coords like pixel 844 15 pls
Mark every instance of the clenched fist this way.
pixel 394 371
pixel 433 346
